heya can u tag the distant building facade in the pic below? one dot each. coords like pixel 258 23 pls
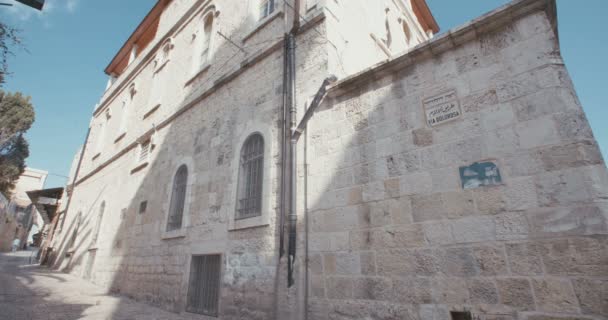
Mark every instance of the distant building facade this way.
pixel 450 177
pixel 17 214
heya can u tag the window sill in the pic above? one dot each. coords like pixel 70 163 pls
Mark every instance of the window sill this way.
pixel 151 111
pixel 255 222
pixel 93 248
pixel 120 136
pixel 175 234
pixel 198 74
pixel 262 23
pixel 96 156
pixel 139 167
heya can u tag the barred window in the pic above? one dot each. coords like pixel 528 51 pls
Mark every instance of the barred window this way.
pixel 178 199
pixel 204 285
pixel 102 208
pixel 144 151
pixel 251 175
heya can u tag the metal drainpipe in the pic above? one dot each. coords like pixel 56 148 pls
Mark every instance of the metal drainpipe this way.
pixel 283 199
pixel 293 218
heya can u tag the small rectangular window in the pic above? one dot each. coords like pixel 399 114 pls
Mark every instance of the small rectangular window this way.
pixel 266 8
pixel 143 206
pixel 460 315
pixel 144 151
pixel 204 285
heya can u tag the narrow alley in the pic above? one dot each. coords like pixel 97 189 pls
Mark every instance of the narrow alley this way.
pixel 30 292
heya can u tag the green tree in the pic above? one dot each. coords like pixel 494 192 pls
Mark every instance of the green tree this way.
pixel 16 117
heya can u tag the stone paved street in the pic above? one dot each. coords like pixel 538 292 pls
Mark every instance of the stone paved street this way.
pixel 28 292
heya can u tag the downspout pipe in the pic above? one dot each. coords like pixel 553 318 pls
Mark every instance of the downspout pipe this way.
pixel 296 133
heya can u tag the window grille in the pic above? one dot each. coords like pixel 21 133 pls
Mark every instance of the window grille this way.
pixel 266 8
pixel 250 178
pixel 144 151
pixel 178 199
pixel 102 207
pixel 204 285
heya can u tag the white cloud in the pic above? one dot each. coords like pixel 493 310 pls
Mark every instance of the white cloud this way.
pixel 22 12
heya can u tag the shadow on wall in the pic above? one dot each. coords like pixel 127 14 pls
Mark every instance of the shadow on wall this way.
pixel 135 255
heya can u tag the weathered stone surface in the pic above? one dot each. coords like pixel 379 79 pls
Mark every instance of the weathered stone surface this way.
pixel 516 293
pixel 482 291
pixel 576 256
pixel 450 290
pixel 525 258
pixel 372 289
pixel 490 200
pixel 567 221
pixel 426 208
pixel 423 137
pixel 415 262
pixel 511 226
pixel 339 287
pixel 592 295
pixel 412 291
pixel 570 155
pixel 459 262
pixel 555 295
pixel 491 260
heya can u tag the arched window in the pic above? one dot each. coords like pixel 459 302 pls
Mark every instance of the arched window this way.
pixel 251 175
pixel 178 199
pixel 102 208
pixel 206 39
pixel 406 32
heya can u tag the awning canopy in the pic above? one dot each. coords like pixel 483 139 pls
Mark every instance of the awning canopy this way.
pixel 46 202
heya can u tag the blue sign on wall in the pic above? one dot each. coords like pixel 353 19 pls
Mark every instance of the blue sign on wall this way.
pixel 480 174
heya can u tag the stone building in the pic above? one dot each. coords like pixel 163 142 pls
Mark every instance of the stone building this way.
pixel 17 214
pixel 449 177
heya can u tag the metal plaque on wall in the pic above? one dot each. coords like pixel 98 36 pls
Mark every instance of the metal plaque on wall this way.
pixel 480 174
pixel 442 108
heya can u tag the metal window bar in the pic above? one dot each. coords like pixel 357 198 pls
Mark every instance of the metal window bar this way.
pixel 203 291
pixel 178 199
pixel 252 161
pixel 145 151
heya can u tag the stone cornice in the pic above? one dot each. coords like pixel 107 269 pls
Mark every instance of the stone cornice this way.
pixel 446 41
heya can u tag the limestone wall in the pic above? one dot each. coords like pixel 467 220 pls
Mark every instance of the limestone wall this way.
pixel 393 234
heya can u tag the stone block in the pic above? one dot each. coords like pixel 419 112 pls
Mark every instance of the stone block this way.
pixel 445 179
pixel 375 288
pixel 570 155
pixel 450 290
pixel 412 291
pixel 520 194
pixel 317 286
pixel 491 260
pixel 458 204
pixel 573 126
pixel 511 226
pixel 368 263
pixel 592 295
pixel 500 142
pixel 555 295
pixel 537 133
pixel 524 258
pixel 459 262
pixel 427 207
pixel 413 262
pixel 497 117
pixel 490 201
pixel 423 137
pixel 438 233
pixel 474 229
pixel 373 191
pixel 565 221
pixel 391 188
pixel 516 293
pixel 584 256
pixel 522 163
pixel 415 184
pixel 479 100
pixel 342 263
pixel 563 187
pixel 339 287
pixel 482 291
pixel 543 103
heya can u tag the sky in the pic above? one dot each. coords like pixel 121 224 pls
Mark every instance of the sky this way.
pixel 70 42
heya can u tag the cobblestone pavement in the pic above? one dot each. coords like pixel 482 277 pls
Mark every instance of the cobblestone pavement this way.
pixel 29 292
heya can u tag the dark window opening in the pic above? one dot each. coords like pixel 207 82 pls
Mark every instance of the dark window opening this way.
pixel 143 206
pixel 461 315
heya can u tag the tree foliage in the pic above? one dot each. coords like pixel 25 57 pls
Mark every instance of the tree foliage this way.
pixel 16 117
pixel 8 38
